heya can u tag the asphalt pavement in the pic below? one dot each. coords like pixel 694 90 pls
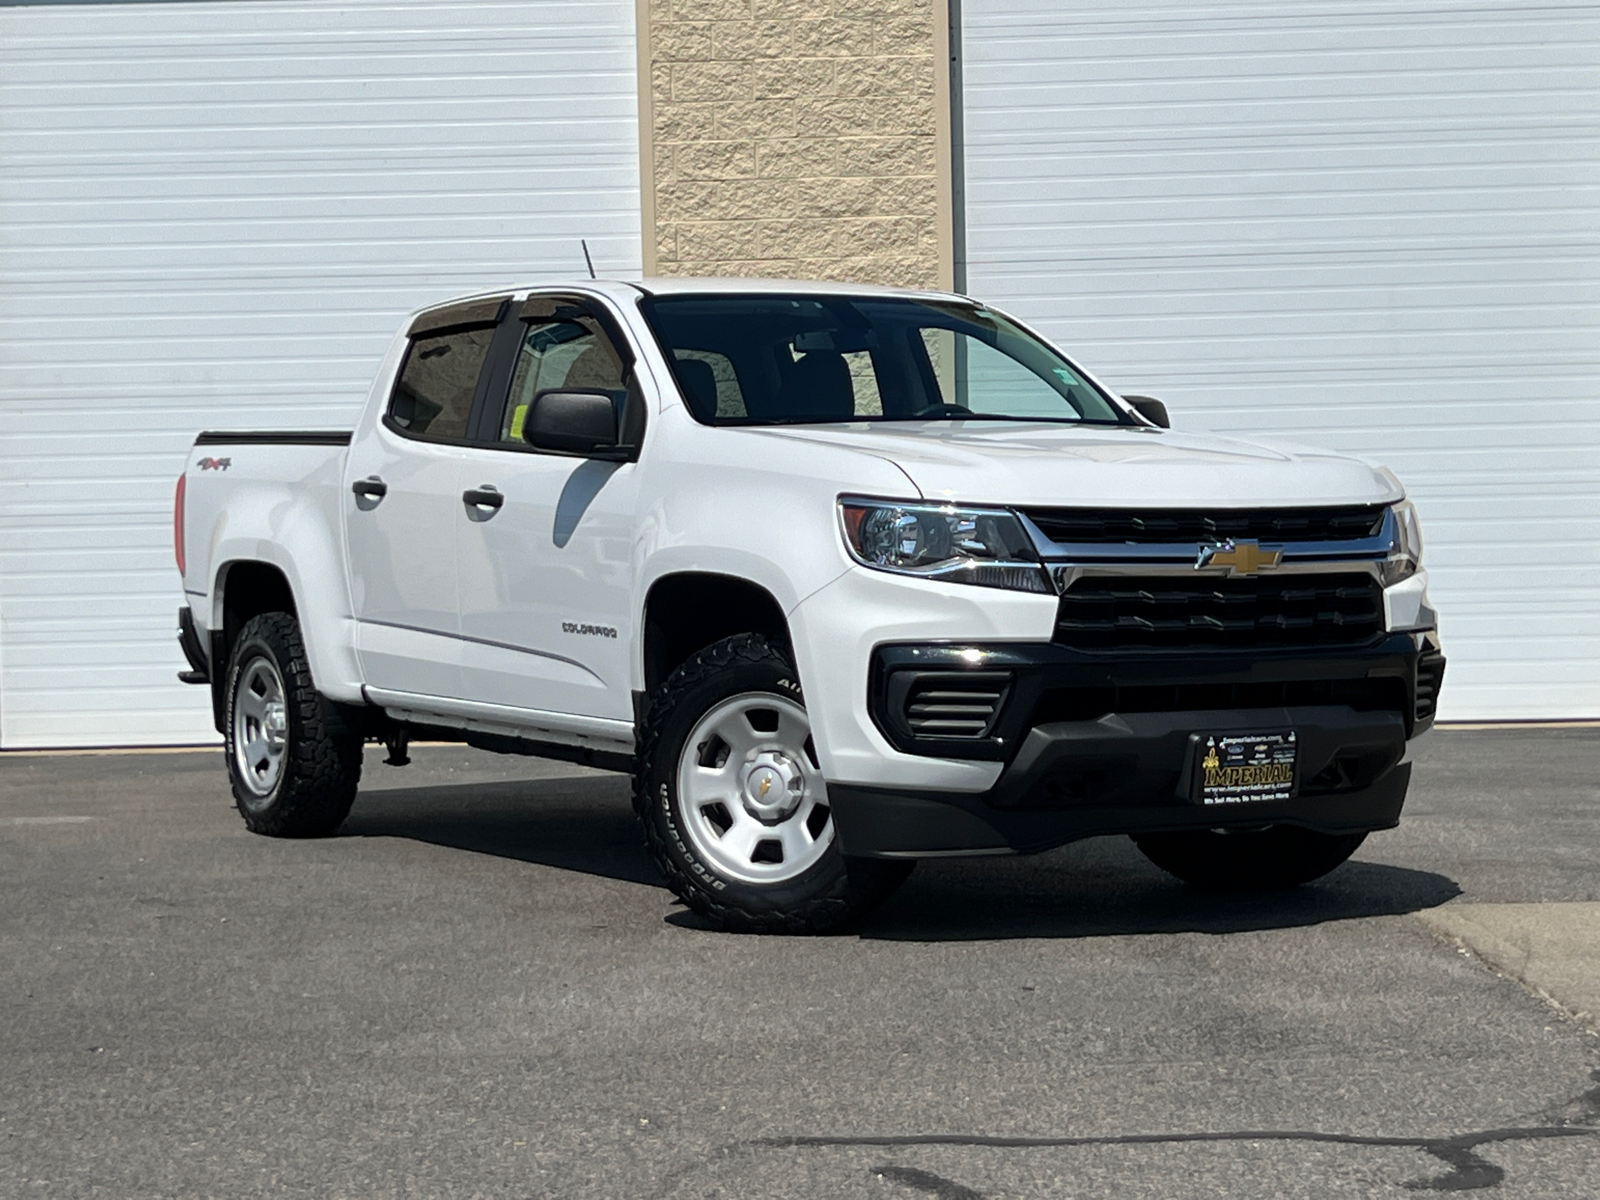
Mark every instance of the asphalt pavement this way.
pixel 481 988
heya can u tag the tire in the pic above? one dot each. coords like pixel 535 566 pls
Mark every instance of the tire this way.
pixel 734 804
pixel 1248 860
pixel 293 763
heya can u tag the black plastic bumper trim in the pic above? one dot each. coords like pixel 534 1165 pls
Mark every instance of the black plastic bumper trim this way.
pixel 1148 758
pixel 1040 668
pixel 193 649
pixel 894 823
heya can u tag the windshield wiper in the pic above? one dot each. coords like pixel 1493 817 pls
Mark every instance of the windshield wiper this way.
pixel 1004 417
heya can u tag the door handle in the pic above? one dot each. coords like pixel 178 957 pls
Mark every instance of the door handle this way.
pixel 487 496
pixel 370 486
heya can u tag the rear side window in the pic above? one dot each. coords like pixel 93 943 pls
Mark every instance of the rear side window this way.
pixel 434 395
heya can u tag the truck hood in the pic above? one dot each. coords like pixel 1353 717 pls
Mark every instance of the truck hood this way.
pixel 1039 464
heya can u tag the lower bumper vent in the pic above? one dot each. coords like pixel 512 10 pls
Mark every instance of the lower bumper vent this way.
pixel 1430 676
pixel 939 705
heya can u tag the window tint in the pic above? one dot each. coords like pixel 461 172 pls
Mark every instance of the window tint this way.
pixel 434 394
pixel 561 353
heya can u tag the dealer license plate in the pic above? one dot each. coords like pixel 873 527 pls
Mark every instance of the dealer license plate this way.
pixel 1245 769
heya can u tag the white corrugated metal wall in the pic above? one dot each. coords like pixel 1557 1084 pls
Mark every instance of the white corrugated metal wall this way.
pixel 215 215
pixel 1369 226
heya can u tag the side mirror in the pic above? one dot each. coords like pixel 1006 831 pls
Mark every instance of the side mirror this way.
pixel 573 421
pixel 1151 410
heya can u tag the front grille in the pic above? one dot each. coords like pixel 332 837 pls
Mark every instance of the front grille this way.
pixel 954 704
pixel 1139 526
pixel 1430 676
pixel 1103 612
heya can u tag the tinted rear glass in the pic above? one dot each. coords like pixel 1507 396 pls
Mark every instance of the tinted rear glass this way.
pixel 433 397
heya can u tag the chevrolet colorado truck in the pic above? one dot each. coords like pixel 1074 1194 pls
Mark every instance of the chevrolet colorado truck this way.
pixel 843 577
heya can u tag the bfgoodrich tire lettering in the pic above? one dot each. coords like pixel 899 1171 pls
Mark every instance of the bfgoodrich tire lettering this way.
pixel 293 763
pixel 733 801
pixel 1248 860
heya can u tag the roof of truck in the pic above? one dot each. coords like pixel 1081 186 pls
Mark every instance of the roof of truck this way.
pixel 698 286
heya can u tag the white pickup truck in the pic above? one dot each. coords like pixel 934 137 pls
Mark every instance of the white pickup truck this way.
pixel 843 576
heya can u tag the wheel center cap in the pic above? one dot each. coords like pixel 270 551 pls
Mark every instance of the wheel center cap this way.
pixel 275 724
pixel 772 787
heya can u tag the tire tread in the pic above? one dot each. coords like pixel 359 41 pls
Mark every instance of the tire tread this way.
pixel 853 892
pixel 323 767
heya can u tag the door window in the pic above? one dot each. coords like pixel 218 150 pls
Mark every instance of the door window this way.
pixel 433 397
pixel 562 352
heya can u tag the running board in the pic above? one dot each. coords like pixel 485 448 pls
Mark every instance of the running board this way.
pixel 588 741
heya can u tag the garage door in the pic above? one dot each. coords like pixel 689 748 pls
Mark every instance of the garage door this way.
pixel 1368 226
pixel 215 215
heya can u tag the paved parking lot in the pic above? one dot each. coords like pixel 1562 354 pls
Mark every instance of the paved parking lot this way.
pixel 480 988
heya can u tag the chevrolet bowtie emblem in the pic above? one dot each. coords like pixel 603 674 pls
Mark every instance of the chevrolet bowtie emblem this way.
pixel 766 786
pixel 1241 558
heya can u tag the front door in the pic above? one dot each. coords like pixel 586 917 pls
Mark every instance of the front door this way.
pixel 546 570
pixel 402 501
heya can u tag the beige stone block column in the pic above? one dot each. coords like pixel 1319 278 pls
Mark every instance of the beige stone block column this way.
pixel 805 138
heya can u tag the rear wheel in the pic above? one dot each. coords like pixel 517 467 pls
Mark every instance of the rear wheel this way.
pixel 293 763
pixel 1248 860
pixel 733 801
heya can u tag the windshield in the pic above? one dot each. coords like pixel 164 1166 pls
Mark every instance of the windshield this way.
pixel 784 360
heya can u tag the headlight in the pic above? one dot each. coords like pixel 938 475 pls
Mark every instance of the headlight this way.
pixel 1405 553
pixel 982 546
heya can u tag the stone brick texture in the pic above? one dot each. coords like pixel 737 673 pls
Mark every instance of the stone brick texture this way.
pixel 796 138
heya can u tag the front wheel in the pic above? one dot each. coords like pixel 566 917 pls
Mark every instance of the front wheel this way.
pixel 293 762
pixel 1248 860
pixel 733 801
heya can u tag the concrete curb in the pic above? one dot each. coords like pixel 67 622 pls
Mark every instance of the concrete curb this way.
pixel 1551 949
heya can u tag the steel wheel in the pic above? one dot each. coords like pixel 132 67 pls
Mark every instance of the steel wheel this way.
pixel 260 727
pixel 751 792
pixel 293 761
pixel 730 790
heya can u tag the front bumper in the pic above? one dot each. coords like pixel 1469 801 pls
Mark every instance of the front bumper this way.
pixel 885 823
pixel 1092 743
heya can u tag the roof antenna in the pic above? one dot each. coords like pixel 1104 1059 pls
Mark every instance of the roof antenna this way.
pixel 584 243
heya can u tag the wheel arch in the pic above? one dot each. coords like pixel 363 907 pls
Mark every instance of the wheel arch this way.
pixel 685 611
pixel 247 588
pixel 244 588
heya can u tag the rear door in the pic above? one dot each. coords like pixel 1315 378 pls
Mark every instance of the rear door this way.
pixel 404 508
pixel 546 572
